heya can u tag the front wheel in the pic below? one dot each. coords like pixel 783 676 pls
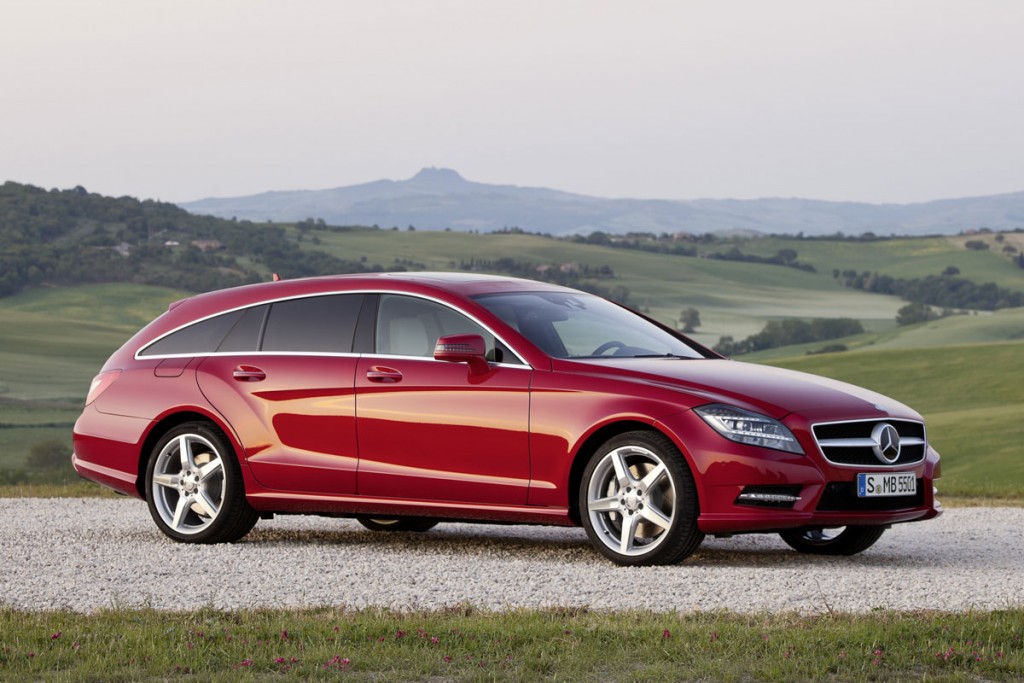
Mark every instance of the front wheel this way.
pixel 638 501
pixel 194 486
pixel 847 540
pixel 398 523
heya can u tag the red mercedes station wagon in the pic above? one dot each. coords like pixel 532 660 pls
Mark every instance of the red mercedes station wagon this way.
pixel 407 399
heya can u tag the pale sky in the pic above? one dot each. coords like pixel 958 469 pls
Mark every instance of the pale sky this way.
pixel 878 101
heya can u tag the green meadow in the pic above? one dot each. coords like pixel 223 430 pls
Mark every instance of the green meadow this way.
pixel 464 644
pixel 734 298
pixel 963 373
pixel 972 398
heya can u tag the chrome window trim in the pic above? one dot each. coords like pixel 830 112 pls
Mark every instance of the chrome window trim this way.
pixel 394 356
pixel 363 292
pixel 911 441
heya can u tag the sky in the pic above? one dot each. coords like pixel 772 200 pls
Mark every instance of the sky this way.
pixel 875 101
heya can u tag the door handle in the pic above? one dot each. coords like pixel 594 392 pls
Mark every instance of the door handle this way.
pixel 383 375
pixel 248 373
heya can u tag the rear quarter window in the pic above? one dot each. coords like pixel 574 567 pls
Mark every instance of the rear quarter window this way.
pixel 201 337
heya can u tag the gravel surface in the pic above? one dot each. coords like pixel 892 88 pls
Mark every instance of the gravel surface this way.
pixel 89 554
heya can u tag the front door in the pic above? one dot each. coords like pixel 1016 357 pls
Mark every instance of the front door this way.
pixel 434 430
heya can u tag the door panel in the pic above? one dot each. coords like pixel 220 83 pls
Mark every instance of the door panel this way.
pixel 431 430
pixel 295 416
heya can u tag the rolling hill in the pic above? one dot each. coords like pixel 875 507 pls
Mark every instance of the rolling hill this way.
pixel 53 340
pixel 435 199
pixel 94 269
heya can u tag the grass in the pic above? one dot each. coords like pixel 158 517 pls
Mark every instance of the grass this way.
pixel 70 487
pixel 972 398
pixel 548 645
pixel 902 257
pixel 54 340
pixel 734 298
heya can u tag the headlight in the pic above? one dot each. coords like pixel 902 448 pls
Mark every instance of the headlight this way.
pixel 742 426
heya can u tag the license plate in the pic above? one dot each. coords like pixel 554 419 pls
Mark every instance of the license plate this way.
pixel 875 485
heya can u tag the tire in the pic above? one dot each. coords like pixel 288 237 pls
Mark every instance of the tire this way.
pixel 194 486
pixel 848 540
pixel 638 501
pixel 398 523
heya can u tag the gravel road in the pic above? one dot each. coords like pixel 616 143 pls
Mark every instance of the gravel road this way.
pixel 87 554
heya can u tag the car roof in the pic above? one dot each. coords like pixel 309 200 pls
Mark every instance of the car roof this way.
pixel 431 284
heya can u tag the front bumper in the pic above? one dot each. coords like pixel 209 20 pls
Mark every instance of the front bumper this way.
pixel 812 492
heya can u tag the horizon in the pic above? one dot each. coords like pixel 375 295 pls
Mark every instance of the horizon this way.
pixel 463 177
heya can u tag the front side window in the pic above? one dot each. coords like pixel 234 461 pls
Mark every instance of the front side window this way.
pixel 407 326
pixel 577 325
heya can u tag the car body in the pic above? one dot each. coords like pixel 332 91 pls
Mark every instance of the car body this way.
pixel 404 399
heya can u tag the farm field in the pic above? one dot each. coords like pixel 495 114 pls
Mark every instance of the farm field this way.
pixel 904 257
pixel 971 396
pixel 734 298
pixel 54 339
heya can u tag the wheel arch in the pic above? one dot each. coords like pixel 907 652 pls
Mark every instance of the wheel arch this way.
pixel 168 422
pixel 594 441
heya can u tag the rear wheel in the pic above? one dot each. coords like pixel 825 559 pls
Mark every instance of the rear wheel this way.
pixel 398 523
pixel 847 540
pixel 638 501
pixel 194 486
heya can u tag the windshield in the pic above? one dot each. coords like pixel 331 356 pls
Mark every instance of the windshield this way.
pixel 577 325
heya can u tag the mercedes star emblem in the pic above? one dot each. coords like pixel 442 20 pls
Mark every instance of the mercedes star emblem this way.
pixel 887 443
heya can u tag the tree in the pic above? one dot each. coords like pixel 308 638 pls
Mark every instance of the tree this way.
pixel 689 319
pixel 915 313
pixel 787 256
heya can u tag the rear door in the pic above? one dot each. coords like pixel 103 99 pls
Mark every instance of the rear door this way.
pixel 284 379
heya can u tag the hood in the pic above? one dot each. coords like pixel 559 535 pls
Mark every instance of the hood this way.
pixel 771 391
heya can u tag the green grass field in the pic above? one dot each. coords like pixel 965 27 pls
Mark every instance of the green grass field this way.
pixel 972 398
pixel 53 341
pixel 963 373
pixel 904 257
pixel 733 298
pixel 520 645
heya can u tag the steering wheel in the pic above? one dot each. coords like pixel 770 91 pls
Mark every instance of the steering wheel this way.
pixel 607 346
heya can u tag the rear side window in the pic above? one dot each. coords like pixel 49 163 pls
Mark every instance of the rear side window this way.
pixel 202 337
pixel 245 335
pixel 319 324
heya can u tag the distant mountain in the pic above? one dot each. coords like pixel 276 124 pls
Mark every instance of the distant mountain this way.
pixel 439 198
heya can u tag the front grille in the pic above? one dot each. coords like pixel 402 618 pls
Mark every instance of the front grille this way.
pixel 850 443
pixel 841 496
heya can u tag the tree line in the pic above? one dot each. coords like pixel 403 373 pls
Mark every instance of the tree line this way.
pixel 582 276
pixel 778 333
pixel 947 290
pixel 74 236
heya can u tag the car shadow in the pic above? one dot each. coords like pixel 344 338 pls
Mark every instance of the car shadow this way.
pixel 559 544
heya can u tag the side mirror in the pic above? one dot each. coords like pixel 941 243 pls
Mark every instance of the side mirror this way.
pixel 463 348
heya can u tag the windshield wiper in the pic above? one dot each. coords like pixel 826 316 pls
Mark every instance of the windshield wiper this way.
pixel 674 356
